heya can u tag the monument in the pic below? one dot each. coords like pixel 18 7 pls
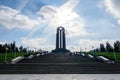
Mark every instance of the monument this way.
pixel 60 41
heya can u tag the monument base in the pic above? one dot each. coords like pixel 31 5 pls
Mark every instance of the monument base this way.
pixel 60 51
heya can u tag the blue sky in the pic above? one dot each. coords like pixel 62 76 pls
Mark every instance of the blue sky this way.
pixel 33 23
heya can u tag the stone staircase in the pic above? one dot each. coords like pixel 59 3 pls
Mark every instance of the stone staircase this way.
pixel 60 63
pixel 59 58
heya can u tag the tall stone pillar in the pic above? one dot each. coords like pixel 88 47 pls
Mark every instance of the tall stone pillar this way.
pixel 60 38
pixel 60 41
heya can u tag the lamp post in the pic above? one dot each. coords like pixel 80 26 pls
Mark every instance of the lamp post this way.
pixel 72 48
pixel 119 46
pixel 27 50
pixel 6 49
pixel 114 55
pixel 93 50
pixel 85 49
pixel 80 49
pixel 35 50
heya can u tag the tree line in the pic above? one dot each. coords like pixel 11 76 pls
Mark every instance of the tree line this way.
pixel 108 47
pixel 11 48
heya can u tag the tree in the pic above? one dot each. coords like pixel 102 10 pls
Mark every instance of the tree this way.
pixel 1 48
pixel 102 48
pixel 116 46
pixel 96 50
pixel 13 47
pixel 21 48
pixel 109 48
pixel 4 47
pixel 24 49
pixel 17 50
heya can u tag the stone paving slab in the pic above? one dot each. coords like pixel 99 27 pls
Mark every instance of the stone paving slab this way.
pixel 60 77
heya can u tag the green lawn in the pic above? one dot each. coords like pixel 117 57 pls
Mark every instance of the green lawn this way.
pixel 10 56
pixel 108 54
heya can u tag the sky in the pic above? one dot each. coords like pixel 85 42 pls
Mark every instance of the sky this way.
pixel 33 23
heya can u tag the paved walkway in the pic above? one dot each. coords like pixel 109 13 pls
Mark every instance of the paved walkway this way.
pixel 60 77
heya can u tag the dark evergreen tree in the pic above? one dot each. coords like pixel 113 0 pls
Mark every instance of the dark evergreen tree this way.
pixel 24 49
pixel 96 50
pixel 13 47
pixel 21 48
pixel 109 48
pixel 17 50
pixel 116 46
pixel 102 48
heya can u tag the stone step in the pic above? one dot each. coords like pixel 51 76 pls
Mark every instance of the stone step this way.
pixel 59 58
pixel 52 68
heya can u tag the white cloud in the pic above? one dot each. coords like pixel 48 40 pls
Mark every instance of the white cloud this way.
pixel 100 4
pixel 36 43
pixel 33 42
pixel 53 17
pixel 2 42
pixel 11 18
pixel 48 12
pixel 70 5
pixel 75 29
pixel 113 6
pixel 59 16
pixel 88 43
pixel 64 16
pixel 23 4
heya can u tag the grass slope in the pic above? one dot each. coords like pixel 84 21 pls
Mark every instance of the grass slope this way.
pixel 109 55
pixel 10 56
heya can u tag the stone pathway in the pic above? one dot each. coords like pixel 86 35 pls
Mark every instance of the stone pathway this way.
pixel 60 77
